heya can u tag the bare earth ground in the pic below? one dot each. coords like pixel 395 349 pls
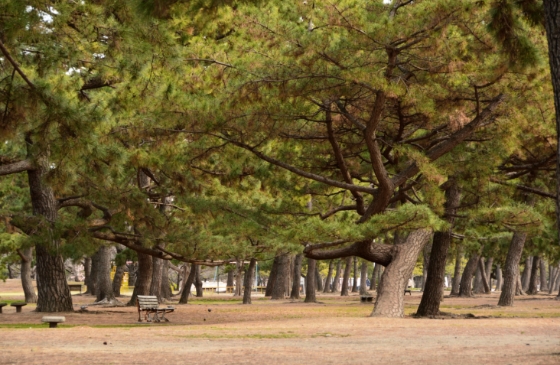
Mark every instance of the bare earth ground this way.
pixel 336 331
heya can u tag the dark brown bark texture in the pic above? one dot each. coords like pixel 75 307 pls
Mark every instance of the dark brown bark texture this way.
pixel 310 285
pixel 433 290
pixel 390 293
pixel 26 282
pixel 105 286
pixel 552 25
pixel 355 282
pixel 465 289
pixel 534 279
pixel 143 277
pixel 249 281
pixel 346 276
pixel 511 269
pixel 272 277
pixel 93 287
pixel 296 277
pixel 327 287
pixel 279 288
pixel 188 285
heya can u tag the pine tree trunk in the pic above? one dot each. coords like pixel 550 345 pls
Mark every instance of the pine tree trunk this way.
pixel 318 278
pixel 249 280
pixel 390 293
pixel 328 285
pixel 425 265
pixel 279 288
pixel 477 285
pixel 456 283
pixel 533 281
pixel 157 276
pixel 188 285
pixel 105 286
pixel 132 273
pixel 26 256
pixel 336 280
pixel 117 280
pixel 346 276
pixel 310 285
pixel 555 273
pixel 511 269
pixel 166 292
pixel 519 287
pixel 465 289
pixel 238 282
pixel 526 275
pixel 87 274
pixel 483 277
pixel 363 277
pixel 355 281
pixel 143 277
pixel 198 281
pixel 272 277
pixel 374 276
pixel 95 265
pixel 544 283
pixel 498 278
pixel 296 277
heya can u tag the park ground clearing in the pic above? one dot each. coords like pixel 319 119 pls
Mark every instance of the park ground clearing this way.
pixel 338 330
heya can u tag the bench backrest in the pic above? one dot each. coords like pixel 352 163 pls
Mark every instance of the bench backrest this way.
pixel 147 301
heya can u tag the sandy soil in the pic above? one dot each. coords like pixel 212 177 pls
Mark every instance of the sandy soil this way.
pixel 336 331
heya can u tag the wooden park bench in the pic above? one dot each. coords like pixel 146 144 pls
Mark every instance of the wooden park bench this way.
pixel 149 304
pixel 53 321
pixel 75 287
pixel 18 306
pixel 407 291
pixel 366 298
pixel 2 305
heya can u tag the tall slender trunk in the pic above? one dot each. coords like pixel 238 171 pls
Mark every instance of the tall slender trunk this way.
pixel 279 288
pixel 355 282
pixel 117 280
pixel 336 280
pixel 198 281
pixel 425 264
pixel 87 273
pixel 143 277
pixel 310 285
pixel 483 276
pixel 346 276
pixel 105 286
pixel 328 285
pixel 544 283
pixel 498 278
pixel 433 290
pixel 466 279
pixel 318 278
pixel 26 256
pixel 249 274
pixel 132 273
pixel 238 282
pixel 533 281
pixel 374 276
pixel 478 287
pixel 188 285
pixel 166 292
pixel 272 277
pixel 555 272
pixel 157 275
pixel 93 288
pixel 511 269
pixel 457 272
pixel 296 277
pixel 363 277
pixel 526 275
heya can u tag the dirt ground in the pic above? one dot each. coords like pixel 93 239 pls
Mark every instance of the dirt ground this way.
pixel 218 329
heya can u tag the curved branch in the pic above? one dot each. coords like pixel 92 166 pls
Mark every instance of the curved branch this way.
pixel 15 167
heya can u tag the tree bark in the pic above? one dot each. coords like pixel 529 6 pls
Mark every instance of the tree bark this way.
pixel 143 277
pixel 457 272
pixel 554 279
pixel 188 285
pixel 483 276
pixel 198 282
pixel 87 273
pixel 296 277
pixel 433 290
pixel 310 285
pixel 544 283
pixel 157 276
pixel 498 277
pixel 526 276
pixel 511 269
pixel 272 277
pixel 93 288
pixel 355 282
pixel 478 287
pixel 279 288
pixel 465 289
pixel 328 285
pixel 346 276
pixel 390 294
pixel 533 281
pixel 117 280
pixel 374 276
pixel 105 286
pixel 318 278
pixel 249 281
pixel 336 280
pixel 425 265
pixel 26 256
pixel 363 277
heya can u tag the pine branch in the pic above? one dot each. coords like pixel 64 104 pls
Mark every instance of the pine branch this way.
pixel 15 167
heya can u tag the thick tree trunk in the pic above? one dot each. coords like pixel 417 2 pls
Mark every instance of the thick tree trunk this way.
pixel 310 285
pixel 296 277
pixel 457 272
pixel 166 292
pixel 198 281
pixel 498 277
pixel 511 269
pixel 355 281
pixel 526 275
pixel 318 278
pixel 390 294
pixel 279 288
pixel 336 280
pixel 117 280
pixel 249 281
pixel 157 276
pixel 188 285
pixel 465 289
pixel 105 286
pixel 363 277
pixel 346 277
pixel 93 288
pixel 272 277
pixel 26 256
pixel 375 276
pixel 433 290
pixel 534 279
pixel 544 283
pixel 328 285
pixel 87 273
pixel 478 287
pixel 143 277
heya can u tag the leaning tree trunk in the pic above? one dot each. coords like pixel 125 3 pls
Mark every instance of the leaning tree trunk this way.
pixel 272 277
pixel 457 272
pixel 297 276
pixel 433 290
pixel 483 276
pixel 390 293
pixel 534 279
pixel 279 288
pixel 327 288
pixel 511 269
pixel 363 277
pixel 310 285
pixel 336 280
pixel 117 280
pixel 526 275
pixel 346 276
pixel 188 285
pixel 143 277
pixel 105 286
pixel 249 274
pixel 355 282
pixel 26 256
pixel 544 283
pixel 466 279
